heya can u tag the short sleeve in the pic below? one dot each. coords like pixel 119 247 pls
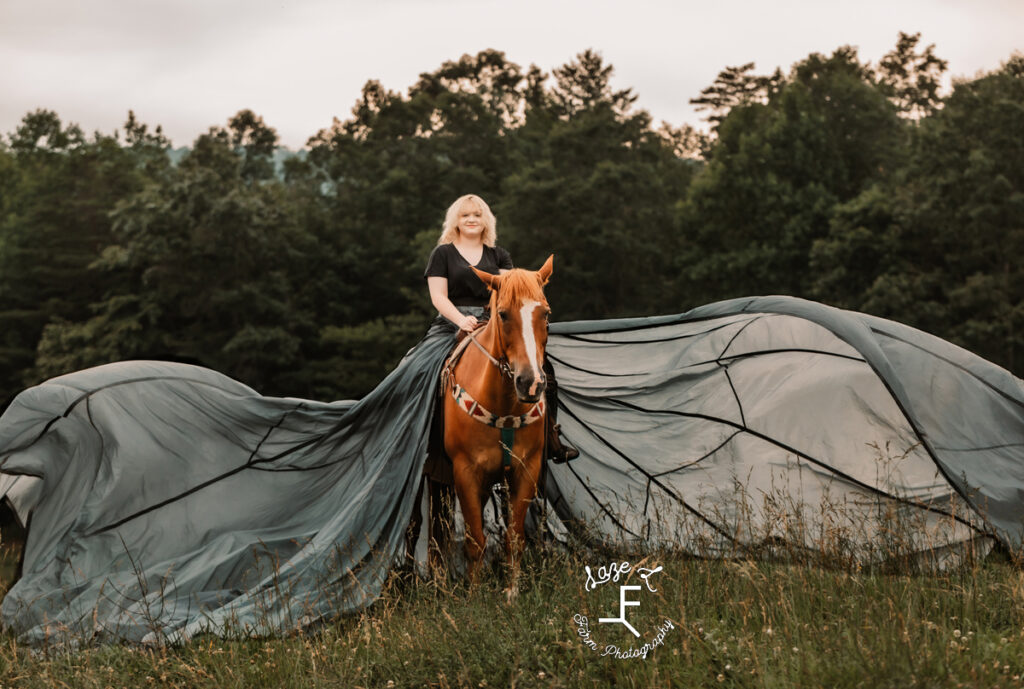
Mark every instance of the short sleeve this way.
pixel 504 259
pixel 437 264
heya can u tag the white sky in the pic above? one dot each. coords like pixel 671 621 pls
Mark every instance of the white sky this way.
pixel 191 64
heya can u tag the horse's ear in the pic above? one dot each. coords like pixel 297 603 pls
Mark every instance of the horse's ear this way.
pixel 492 281
pixel 545 270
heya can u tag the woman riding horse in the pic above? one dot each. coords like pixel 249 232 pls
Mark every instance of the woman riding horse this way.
pixel 466 257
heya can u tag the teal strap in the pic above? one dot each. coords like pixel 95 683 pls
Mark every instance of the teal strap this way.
pixel 507 439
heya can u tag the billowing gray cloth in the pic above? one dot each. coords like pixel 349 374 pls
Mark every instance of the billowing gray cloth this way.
pixel 766 419
pixel 174 500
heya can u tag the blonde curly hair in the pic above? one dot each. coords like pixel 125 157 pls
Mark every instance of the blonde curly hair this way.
pixel 451 220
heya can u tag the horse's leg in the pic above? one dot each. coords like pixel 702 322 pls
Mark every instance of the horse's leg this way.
pixel 522 491
pixel 470 500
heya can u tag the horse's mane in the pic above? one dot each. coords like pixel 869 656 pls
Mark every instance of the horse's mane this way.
pixel 517 286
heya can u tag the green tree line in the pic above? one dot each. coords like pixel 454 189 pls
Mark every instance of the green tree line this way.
pixel 858 185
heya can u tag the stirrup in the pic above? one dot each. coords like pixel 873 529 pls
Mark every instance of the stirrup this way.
pixel 558 452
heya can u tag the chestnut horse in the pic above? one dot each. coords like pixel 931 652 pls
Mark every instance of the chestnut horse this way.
pixel 494 408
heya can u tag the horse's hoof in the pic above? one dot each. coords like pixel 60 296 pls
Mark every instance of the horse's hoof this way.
pixel 511 593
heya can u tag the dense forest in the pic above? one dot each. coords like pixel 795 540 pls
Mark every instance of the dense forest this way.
pixel 863 186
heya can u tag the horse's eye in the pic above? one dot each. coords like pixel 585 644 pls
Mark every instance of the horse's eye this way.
pixel 503 315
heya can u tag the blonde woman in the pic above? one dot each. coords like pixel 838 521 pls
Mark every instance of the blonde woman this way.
pixel 468 239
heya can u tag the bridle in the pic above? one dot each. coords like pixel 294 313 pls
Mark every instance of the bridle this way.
pixel 502 363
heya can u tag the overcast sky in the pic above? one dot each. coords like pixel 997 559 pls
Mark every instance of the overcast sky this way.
pixel 190 64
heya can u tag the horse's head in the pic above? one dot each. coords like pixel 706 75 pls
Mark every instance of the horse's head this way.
pixel 520 311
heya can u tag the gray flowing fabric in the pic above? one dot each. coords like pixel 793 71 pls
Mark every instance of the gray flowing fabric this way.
pixel 169 500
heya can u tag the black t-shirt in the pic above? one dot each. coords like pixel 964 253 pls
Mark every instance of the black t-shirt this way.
pixel 464 287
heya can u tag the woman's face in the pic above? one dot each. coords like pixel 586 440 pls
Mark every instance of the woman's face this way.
pixel 471 220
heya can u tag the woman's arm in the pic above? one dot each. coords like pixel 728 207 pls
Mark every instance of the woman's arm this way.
pixel 438 287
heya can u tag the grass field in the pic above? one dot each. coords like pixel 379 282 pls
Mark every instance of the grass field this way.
pixel 734 623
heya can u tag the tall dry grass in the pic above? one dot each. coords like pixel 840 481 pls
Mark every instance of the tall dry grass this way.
pixel 805 605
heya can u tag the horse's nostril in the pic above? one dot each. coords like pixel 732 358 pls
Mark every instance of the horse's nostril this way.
pixel 528 386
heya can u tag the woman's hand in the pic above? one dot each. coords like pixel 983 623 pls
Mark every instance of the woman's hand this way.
pixel 468 323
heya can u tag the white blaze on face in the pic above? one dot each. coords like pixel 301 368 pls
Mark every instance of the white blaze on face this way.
pixel 526 316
